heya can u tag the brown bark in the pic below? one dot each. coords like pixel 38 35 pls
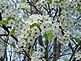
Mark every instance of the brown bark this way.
pixel 46 51
pixel 56 50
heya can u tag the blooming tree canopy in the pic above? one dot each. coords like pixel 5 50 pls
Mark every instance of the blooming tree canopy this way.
pixel 40 30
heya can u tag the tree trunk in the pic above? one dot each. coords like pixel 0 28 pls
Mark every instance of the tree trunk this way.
pixel 56 50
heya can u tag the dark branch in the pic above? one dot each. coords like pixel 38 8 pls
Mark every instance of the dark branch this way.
pixel 70 46
pixel 55 13
pixel 27 55
pixel 3 34
pixel 34 6
pixel 6 29
pixel 74 51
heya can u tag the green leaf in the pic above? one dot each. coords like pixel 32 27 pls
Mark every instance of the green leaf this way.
pixel 30 52
pixel 49 1
pixel 12 31
pixel 78 9
pixel 35 24
pixel 77 39
pixel 57 1
pixel 0 39
pixel 6 21
pixel 48 36
pixel 45 35
pixel 45 6
pixel 8 18
pixel 3 22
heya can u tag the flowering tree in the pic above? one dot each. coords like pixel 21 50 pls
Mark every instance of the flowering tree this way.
pixel 40 30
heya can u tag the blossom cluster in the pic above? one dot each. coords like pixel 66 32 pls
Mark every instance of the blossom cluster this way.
pixel 29 34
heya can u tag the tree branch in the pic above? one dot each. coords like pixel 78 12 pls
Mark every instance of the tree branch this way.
pixel 6 29
pixel 34 7
pixel 74 51
pixel 3 34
